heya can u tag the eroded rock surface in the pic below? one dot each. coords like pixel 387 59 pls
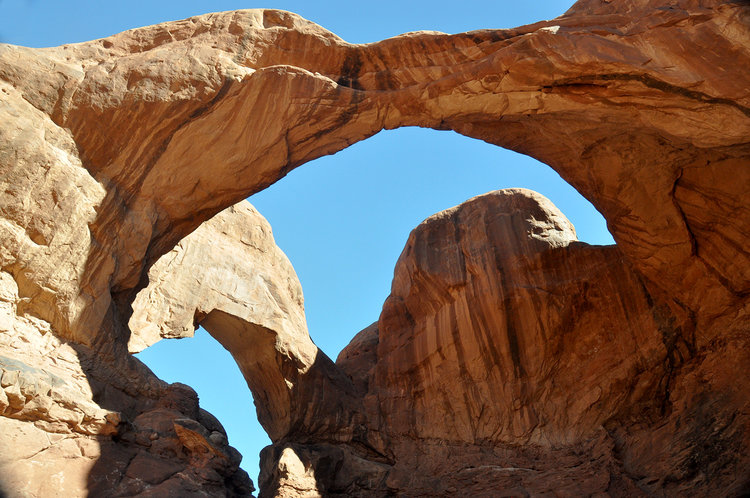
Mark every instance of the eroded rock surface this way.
pixel 75 423
pixel 510 356
pixel 624 365
pixel 230 277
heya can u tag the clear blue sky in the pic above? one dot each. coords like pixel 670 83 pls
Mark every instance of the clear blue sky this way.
pixel 343 219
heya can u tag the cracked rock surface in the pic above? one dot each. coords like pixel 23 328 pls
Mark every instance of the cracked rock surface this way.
pixel 509 356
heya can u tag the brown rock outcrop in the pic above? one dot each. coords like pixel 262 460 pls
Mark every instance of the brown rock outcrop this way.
pixel 74 423
pixel 502 327
pixel 230 276
pixel 624 366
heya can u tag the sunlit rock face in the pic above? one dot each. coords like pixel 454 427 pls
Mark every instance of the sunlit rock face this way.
pixel 230 276
pixel 508 357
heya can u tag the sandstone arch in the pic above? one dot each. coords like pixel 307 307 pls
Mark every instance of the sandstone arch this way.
pixel 522 89
pixel 230 277
pixel 112 157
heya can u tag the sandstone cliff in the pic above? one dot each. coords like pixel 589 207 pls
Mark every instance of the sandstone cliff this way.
pixel 508 354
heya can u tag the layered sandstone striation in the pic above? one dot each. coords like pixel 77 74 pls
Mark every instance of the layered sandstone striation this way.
pixel 508 356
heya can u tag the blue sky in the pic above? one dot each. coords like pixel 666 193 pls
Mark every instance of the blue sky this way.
pixel 343 219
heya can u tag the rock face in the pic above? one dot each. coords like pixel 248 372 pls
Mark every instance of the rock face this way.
pixel 509 356
pixel 59 438
pixel 501 326
pixel 230 276
pixel 520 359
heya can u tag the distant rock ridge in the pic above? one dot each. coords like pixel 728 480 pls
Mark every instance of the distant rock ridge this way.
pixel 509 356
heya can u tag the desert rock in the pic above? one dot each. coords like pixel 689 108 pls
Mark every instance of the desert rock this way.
pixel 230 277
pixel 590 369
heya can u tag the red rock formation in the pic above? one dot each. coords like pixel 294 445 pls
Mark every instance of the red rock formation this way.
pixel 108 155
pixel 515 357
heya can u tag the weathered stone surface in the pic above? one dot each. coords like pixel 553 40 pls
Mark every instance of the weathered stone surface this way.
pixel 623 365
pixel 574 92
pixel 61 405
pixel 507 340
pixel 500 325
pixel 231 267
pixel 229 263
pixel 164 450
pixel 511 357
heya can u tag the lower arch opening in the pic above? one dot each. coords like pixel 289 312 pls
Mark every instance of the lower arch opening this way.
pixel 202 363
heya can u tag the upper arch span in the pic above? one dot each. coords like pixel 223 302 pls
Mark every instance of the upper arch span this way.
pixel 183 119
